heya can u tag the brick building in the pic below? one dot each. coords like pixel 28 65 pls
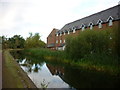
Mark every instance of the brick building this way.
pixel 101 20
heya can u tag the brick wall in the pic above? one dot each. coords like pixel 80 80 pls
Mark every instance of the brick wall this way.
pixel 52 37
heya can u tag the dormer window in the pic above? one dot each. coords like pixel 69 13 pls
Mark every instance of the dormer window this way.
pixel 57 34
pixel 60 33
pixel 83 27
pixel 110 21
pixel 73 28
pixel 91 25
pixel 99 23
pixel 68 32
pixel 64 33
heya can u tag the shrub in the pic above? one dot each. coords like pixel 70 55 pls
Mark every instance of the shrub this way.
pixel 89 42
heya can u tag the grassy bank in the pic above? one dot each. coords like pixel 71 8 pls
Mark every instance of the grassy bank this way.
pixel 13 75
pixel 109 64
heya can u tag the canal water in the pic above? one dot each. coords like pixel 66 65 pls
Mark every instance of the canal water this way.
pixel 52 74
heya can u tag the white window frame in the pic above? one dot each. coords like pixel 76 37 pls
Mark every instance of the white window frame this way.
pixel 110 21
pixel 83 27
pixel 64 41
pixel 91 25
pixel 64 33
pixel 60 33
pixel 60 41
pixel 99 23
pixel 56 41
pixel 74 31
pixel 68 32
pixel 73 28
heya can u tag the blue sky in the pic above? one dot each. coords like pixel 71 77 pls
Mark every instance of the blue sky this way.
pixel 24 16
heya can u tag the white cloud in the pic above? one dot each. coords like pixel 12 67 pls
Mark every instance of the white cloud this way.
pixel 24 16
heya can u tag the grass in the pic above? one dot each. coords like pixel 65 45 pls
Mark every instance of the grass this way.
pixel 96 62
pixel 13 75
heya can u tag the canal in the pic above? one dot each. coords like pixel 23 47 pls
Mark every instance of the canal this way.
pixel 52 74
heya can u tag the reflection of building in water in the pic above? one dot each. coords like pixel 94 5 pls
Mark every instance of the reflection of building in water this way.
pixel 56 70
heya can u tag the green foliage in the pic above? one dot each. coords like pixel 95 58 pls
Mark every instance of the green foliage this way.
pixel 89 42
pixel 33 41
pixel 92 49
pixel 42 53
pixel 14 42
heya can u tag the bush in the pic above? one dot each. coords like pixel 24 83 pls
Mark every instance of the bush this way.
pixel 90 42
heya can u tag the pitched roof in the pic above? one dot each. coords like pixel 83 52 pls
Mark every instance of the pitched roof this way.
pixel 103 15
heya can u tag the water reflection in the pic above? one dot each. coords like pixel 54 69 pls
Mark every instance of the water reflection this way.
pixel 44 73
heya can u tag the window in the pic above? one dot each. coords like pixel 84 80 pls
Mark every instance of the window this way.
pixel 56 41
pixel 64 33
pixel 83 27
pixel 91 25
pixel 99 23
pixel 68 32
pixel 60 41
pixel 74 31
pixel 64 41
pixel 73 28
pixel 110 21
pixel 61 34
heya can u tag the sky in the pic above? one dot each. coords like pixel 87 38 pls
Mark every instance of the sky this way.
pixel 20 17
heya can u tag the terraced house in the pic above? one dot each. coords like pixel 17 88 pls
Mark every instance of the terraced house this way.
pixel 98 21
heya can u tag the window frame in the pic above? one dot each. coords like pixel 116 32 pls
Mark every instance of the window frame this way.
pixel 91 25
pixel 57 34
pixel 83 27
pixel 110 21
pixel 73 28
pixel 56 41
pixel 68 32
pixel 99 23
pixel 60 41
pixel 64 40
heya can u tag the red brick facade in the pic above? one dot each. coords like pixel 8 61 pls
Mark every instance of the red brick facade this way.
pixel 54 39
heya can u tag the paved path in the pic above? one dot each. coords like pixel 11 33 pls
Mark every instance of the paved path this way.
pixel 0 70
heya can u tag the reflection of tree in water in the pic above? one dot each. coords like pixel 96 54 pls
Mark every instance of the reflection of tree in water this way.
pixel 75 77
pixel 83 78
pixel 56 70
pixel 18 54
pixel 30 63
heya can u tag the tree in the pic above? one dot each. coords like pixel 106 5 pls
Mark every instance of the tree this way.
pixel 34 41
pixel 14 42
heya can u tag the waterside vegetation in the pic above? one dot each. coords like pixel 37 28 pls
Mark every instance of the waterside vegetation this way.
pixel 91 49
